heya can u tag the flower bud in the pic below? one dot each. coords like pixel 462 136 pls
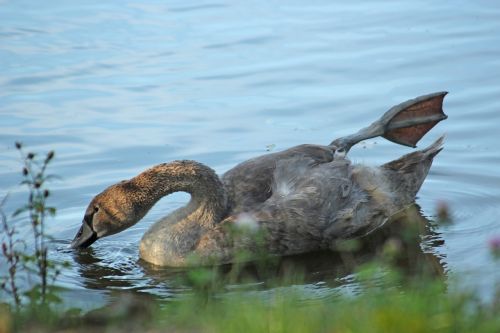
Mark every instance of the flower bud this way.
pixel 50 155
pixel 392 248
pixel 495 246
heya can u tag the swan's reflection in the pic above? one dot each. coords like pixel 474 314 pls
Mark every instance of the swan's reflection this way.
pixel 401 239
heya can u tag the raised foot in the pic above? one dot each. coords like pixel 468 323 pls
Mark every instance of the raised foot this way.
pixel 405 123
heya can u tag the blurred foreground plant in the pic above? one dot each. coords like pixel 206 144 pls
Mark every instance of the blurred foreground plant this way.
pixel 18 255
pixel 12 255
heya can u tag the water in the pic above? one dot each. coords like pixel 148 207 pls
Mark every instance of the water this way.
pixel 117 86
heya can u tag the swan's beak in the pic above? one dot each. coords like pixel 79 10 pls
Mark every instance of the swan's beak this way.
pixel 84 237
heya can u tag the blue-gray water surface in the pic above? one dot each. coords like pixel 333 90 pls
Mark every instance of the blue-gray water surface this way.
pixel 117 86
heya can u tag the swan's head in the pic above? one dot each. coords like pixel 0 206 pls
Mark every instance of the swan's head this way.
pixel 111 211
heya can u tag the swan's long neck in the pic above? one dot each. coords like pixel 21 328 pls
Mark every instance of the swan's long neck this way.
pixel 208 198
pixel 169 241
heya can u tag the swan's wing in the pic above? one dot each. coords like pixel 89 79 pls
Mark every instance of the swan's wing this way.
pixel 306 198
pixel 249 184
pixel 313 207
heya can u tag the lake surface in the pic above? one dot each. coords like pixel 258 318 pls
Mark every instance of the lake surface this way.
pixel 117 86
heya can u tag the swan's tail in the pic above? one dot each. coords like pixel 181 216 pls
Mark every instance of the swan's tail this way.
pixel 407 173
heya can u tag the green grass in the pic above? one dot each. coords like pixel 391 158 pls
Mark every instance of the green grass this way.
pixel 414 307
pixel 423 309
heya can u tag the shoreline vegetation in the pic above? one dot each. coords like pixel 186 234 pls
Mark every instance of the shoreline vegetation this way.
pixel 399 287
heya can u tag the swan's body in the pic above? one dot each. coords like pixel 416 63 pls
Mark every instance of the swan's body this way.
pixel 302 199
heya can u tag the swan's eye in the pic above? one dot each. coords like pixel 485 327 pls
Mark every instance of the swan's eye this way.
pixel 96 209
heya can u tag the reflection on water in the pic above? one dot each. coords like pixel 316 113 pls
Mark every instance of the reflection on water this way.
pixel 117 86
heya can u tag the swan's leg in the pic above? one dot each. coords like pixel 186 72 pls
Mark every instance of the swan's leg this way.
pixel 405 123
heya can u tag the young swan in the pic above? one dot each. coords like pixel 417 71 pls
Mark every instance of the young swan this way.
pixel 302 199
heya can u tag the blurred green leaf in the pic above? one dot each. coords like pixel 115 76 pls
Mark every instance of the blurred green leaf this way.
pixel 20 211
